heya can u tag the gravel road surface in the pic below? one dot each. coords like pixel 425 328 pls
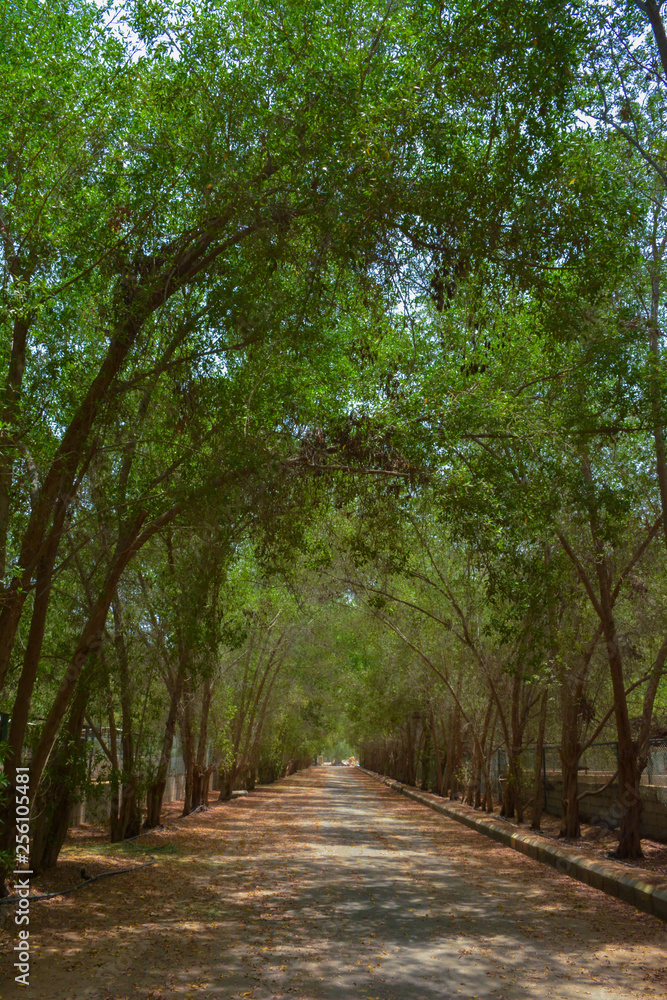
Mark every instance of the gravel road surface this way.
pixel 330 886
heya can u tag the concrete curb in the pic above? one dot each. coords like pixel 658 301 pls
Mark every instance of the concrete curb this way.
pixel 603 875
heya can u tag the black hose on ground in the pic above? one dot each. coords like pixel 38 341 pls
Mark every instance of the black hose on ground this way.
pixel 87 881
pixel 94 878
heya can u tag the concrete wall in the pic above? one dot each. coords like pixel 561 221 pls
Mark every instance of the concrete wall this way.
pixel 92 810
pixel 604 808
pixel 175 788
pixel 95 809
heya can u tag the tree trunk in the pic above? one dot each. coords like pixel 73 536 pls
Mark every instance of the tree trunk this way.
pixel 425 758
pixel 187 749
pixel 478 757
pixel 412 752
pixel 58 488
pixel 476 784
pixel 516 764
pixel 436 748
pixel 57 798
pixel 10 411
pixel 538 777
pixel 227 782
pixel 486 759
pixel 629 774
pixel 90 642
pixel 452 736
pixel 251 779
pixel 570 753
pixel 125 815
pixel 156 789
pixel 201 780
pixel 202 770
pixel 569 826
pixel 23 699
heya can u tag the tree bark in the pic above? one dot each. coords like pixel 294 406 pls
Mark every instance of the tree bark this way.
pixel 570 753
pixel 425 758
pixel 202 770
pixel 187 748
pixel 538 779
pixel 125 815
pixel 56 490
pixel 436 749
pixel 57 799
pixel 651 10
pixel 28 677
pixel 156 790
pixel 10 409
pixel 91 636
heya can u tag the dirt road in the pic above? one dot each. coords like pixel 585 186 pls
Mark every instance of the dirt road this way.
pixel 330 886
